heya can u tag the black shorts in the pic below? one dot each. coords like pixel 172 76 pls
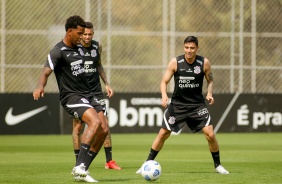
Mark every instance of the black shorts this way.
pixel 103 105
pixel 77 105
pixel 195 116
pixel 100 99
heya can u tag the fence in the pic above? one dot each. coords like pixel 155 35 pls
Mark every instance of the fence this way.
pixel 241 38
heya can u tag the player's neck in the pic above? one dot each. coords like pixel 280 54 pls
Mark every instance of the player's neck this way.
pixel 190 60
pixel 68 43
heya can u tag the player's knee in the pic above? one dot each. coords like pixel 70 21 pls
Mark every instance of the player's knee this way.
pixel 210 136
pixel 164 134
pixel 77 127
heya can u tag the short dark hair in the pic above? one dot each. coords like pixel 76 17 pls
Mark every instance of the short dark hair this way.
pixel 191 39
pixel 89 25
pixel 74 21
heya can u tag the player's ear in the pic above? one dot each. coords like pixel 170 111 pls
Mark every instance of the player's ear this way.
pixel 69 30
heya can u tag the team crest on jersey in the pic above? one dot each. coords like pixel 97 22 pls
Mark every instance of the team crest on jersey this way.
pixel 197 70
pixel 171 120
pixel 93 53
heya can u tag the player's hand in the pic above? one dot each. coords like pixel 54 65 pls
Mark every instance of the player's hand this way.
pixel 164 101
pixel 210 99
pixel 39 92
pixel 109 90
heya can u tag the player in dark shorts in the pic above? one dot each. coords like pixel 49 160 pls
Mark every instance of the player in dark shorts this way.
pixel 76 96
pixel 93 68
pixel 187 103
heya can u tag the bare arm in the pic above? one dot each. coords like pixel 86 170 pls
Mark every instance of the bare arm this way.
pixel 39 91
pixel 102 74
pixel 171 69
pixel 209 78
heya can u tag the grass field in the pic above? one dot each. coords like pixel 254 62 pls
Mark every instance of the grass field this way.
pixel 251 158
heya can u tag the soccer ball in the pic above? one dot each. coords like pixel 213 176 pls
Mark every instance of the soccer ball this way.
pixel 151 170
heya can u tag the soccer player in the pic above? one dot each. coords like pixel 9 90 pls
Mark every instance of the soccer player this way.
pixel 187 104
pixel 93 68
pixel 76 96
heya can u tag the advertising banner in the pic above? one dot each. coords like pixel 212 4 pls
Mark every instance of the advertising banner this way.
pixel 142 113
pixel 20 114
pixel 248 113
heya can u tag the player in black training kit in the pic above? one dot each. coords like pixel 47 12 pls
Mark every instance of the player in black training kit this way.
pixel 187 103
pixel 93 69
pixel 76 96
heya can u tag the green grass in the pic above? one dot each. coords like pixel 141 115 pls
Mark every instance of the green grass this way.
pixel 251 158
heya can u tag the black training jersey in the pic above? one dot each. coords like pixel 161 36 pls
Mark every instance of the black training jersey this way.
pixel 91 58
pixel 67 64
pixel 188 81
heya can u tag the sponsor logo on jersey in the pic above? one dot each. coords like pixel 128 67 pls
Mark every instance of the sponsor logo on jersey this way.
pixel 88 62
pixel 186 78
pixel 76 67
pixel 75 54
pixel 87 54
pixel 187 82
pixel 76 62
pixel 203 111
pixel 87 68
pixel 189 70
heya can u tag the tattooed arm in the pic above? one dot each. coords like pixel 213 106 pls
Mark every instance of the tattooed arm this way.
pixel 209 78
pixel 102 74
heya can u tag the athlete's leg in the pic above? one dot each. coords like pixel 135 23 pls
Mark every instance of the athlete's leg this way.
pixel 101 135
pixel 98 141
pixel 76 135
pixel 210 136
pixel 214 149
pixel 108 143
pixel 110 163
pixel 158 143
pixel 93 131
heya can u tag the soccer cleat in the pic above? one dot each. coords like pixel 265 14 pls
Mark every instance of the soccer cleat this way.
pixel 72 172
pixel 87 179
pixel 79 171
pixel 112 165
pixel 220 169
